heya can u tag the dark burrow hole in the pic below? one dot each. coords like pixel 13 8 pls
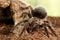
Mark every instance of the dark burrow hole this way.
pixel 6 16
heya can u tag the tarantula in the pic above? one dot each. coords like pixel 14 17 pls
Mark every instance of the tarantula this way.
pixel 35 22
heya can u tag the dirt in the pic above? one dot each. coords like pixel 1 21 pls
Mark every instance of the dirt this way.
pixel 37 35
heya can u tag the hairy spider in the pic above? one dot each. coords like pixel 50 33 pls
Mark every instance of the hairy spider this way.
pixel 35 22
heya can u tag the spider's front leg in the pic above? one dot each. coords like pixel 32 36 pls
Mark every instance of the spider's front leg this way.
pixel 20 27
pixel 49 25
pixel 46 31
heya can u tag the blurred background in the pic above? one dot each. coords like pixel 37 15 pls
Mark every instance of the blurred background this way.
pixel 52 6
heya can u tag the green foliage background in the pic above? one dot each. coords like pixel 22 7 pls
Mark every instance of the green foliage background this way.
pixel 52 6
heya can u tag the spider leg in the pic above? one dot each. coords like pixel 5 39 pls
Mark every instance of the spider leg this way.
pixel 46 31
pixel 49 25
pixel 52 30
pixel 25 13
pixel 19 28
pixel 22 31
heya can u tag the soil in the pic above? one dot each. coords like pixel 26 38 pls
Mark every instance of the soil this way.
pixel 37 35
